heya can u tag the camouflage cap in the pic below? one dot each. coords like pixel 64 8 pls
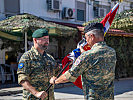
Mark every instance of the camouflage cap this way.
pixel 40 33
pixel 92 26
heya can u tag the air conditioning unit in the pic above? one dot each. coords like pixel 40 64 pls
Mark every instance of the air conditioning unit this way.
pixel 54 5
pixel 68 13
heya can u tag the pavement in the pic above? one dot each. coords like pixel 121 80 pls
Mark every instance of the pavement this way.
pixel 123 91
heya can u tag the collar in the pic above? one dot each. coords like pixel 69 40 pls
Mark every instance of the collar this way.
pixel 36 51
pixel 98 44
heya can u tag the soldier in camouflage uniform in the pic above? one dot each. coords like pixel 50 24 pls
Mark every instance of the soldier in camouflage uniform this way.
pixel 36 67
pixel 97 66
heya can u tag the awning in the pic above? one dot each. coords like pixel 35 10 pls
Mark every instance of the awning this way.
pixel 15 27
pixel 116 32
pixel 10 37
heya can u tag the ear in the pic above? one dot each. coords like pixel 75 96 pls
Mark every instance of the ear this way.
pixel 34 39
pixel 92 36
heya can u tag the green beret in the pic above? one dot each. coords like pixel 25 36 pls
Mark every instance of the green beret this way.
pixel 40 33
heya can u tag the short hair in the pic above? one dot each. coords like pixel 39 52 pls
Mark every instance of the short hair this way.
pixel 92 26
pixel 96 32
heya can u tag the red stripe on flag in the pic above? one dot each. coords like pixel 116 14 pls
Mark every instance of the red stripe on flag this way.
pixel 64 62
pixel 113 15
pixel 105 19
pixel 78 82
pixel 109 17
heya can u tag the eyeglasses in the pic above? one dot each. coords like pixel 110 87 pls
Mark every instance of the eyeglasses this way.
pixel 43 39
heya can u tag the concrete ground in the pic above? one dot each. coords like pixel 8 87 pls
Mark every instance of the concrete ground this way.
pixel 123 91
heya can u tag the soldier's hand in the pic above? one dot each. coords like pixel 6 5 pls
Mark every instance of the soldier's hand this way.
pixel 52 80
pixel 41 95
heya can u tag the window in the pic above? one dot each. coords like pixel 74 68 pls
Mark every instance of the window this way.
pixel 81 11
pixel 96 12
pixel 102 12
pixel 80 15
pixel 96 9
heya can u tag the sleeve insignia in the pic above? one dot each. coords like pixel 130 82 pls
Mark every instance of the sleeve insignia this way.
pixel 21 65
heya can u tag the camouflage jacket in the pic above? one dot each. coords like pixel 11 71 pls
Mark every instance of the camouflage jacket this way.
pixel 97 67
pixel 37 69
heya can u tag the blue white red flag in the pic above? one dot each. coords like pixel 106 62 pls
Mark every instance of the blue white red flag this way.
pixel 107 21
pixel 72 56
pixel 76 52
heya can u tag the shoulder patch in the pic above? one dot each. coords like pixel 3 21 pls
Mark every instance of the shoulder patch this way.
pixel 21 65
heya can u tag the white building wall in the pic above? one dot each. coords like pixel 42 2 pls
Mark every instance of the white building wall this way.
pixel 91 12
pixel 91 6
pixel 81 0
pixel 2 16
pixel 39 8
pixel 87 11
pixel 124 6
pixel 68 3
pixel 36 7
pixel 104 2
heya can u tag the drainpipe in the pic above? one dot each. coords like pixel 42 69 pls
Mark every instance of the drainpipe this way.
pixel 25 41
pixel 87 10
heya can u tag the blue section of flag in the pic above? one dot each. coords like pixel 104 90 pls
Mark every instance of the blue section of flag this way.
pixel 76 52
pixel 21 65
pixel 104 29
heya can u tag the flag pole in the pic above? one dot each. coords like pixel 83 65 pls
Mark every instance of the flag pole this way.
pixel 58 75
pixel 25 41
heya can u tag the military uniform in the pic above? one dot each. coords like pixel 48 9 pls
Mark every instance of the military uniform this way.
pixel 37 69
pixel 97 67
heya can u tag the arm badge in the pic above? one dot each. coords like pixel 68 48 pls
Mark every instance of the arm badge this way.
pixel 21 65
